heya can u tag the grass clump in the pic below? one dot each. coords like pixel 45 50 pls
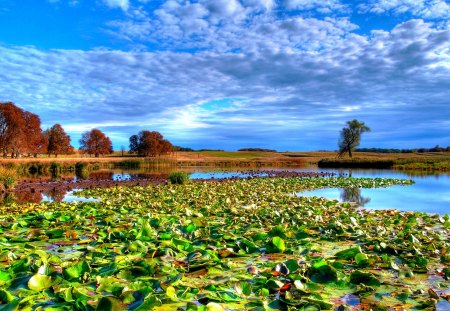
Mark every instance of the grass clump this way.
pixel 178 178
pixel 8 178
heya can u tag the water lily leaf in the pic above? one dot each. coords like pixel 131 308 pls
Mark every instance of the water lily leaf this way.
pixel 39 282
pixel 149 303
pixel 171 293
pixel 348 253
pixel 292 265
pixel 189 228
pixel 243 288
pixel 145 232
pixel 212 306
pixel 361 259
pixel 358 277
pixel 108 304
pixel 76 271
pixel 322 272
pixel 228 296
pixel 279 244
pixel 5 277
pixel 6 297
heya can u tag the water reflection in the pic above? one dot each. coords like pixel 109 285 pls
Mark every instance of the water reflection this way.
pixel 55 194
pixel 354 195
pixel 430 193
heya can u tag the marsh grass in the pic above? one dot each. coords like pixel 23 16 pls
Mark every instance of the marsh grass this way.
pixel 8 178
pixel 179 178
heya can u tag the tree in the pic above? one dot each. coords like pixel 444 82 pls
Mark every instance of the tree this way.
pixel 58 141
pixel 96 142
pixel 35 142
pixel 20 131
pixel 148 143
pixel 351 136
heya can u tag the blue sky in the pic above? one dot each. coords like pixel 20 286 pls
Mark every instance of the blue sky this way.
pixel 229 74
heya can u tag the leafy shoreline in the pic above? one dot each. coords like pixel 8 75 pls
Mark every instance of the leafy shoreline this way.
pixel 238 244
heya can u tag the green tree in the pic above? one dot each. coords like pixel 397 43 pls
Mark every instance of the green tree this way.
pixel 351 136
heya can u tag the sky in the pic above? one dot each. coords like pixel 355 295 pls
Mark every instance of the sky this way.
pixel 230 74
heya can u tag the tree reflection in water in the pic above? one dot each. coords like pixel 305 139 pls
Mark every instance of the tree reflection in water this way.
pixel 354 195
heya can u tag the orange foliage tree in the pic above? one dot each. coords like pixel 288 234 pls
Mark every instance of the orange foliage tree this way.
pixel 20 131
pixel 148 143
pixel 58 141
pixel 95 142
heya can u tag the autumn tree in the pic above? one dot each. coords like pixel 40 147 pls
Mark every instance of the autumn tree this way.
pixel 351 136
pixel 95 142
pixel 58 141
pixel 35 142
pixel 20 131
pixel 148 143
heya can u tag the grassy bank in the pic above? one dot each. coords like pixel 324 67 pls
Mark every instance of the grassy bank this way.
pixel 355 163
pixel 425 161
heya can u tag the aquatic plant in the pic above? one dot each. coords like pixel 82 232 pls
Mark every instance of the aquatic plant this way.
pixel 178 177
pixel 8 178
pixel 251 244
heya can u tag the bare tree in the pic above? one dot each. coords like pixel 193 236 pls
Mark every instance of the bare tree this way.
pixel 351 136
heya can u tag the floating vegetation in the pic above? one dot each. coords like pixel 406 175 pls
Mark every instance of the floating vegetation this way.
pixel 241 244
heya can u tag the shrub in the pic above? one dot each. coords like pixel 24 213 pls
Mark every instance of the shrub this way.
pixel 55 167
pixel 8 178
pixel 178 178
pixel 129 164
pixel 80 167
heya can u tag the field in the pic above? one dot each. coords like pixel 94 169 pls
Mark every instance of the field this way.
pixel 235 245
pixel 199 158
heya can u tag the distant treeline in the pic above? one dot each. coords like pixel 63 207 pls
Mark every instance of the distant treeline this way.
pixel 393 150
pixel 179 148
pixel 257 150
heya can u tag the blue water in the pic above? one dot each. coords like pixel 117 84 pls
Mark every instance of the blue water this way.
pixel 429 193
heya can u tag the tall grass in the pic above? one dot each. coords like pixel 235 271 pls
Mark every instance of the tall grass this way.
pixel 179 178
pixel 8 178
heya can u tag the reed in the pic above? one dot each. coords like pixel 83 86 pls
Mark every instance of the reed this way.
pixel 8 178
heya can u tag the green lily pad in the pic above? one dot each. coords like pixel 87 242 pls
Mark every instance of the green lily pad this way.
pixel 358 277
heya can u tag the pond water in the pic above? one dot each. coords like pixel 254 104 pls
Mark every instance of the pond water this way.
pixel 430 193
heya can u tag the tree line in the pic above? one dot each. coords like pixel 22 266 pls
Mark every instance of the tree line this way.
pixel 21 135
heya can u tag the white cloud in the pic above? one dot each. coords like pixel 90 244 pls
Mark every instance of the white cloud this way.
pixel 323 6
pixel 123 4
pixel 289 75
pixel 430 9
pixel 267 5
pixel 226 26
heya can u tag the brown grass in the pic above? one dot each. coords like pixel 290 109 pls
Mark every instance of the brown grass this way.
pixel 239 156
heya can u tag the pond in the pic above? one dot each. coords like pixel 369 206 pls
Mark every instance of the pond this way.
pixel 430 193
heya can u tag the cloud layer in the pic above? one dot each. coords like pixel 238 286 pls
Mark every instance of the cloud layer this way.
pixel 232 74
